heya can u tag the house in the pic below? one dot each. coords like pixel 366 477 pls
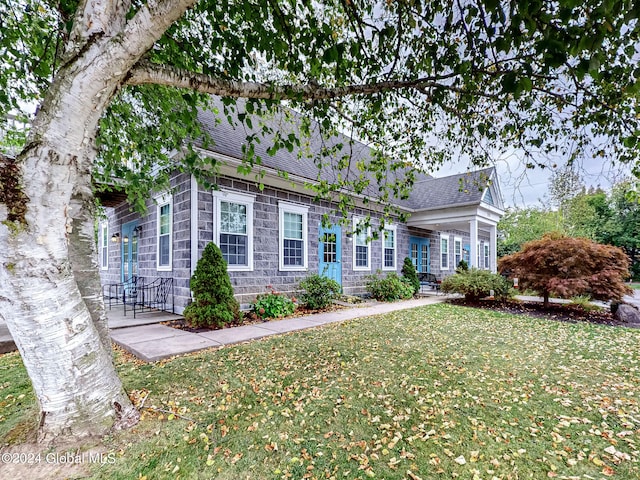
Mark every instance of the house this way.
pixel 275 236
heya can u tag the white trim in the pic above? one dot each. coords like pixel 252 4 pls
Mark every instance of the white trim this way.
pixel 104 245
pixel 444 237
pixel 161 201
pixel 193 227
pixel 394 229
pixel 486 260
pixel 480 263
pixel 242 199
pixel 457 241
pixel 356 221
pixel 285 207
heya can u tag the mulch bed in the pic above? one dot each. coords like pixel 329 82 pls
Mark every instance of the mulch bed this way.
pixel 555 311
pixel 249 318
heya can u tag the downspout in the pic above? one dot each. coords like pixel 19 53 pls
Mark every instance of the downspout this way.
pixel 193 205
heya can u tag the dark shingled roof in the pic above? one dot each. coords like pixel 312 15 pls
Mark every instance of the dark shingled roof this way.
pixel 428 192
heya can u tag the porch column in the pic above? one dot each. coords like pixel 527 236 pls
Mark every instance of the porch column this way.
pixel 493 248
pixel 473 243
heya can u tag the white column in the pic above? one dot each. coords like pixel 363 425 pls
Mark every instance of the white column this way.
pixel 493 248
pixel 473 243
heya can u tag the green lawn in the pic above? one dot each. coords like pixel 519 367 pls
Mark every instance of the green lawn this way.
pixel 435 392
pixel 635 286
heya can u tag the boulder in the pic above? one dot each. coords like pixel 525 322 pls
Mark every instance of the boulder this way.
pixel 628 314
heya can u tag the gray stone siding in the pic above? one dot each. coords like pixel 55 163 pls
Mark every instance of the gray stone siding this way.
pixel 266 268
pixel 147 242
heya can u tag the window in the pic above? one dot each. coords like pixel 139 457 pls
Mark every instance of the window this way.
pixel 104 246
pixel 457 251
pixel 164 211
pixel 389 241
pixel 361 245
pixel 444 252
pixel 233 229
pixel 414 255
pixel 486 256
pixel 293 236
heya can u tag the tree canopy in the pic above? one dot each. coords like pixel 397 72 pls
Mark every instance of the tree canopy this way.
pixel 449 79
pixel 117 84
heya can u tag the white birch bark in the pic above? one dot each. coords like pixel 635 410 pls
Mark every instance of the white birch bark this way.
pixel 58 327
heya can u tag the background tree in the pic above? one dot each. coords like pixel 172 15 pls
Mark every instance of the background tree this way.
pixel 610 218
pixel 564 185
pixel 118 85
pixel 521 225
pixel 213 300
pixel 567 267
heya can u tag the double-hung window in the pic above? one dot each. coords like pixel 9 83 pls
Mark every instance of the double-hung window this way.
pixel 361 245
pixel 457 251
pixel 104 245
pixel 233 229
pixel 293 236
pixel 389 245
pixel 164 232
pixel 444 252
pixel 486 256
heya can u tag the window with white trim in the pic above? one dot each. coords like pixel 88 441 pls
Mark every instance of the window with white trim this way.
pixel 486 256
pixel 478 255
pixel 104 245
pixel 389 247
pixel 164 232
pixel 294 247
pixel 457 251
pixel 361 245
pixel 233 228
pixel 444 252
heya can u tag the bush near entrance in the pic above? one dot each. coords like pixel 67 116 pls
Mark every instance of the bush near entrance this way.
pixel 319 291
pixel 475 284
pixel 214 303
pixel 411 275
pixel 567 267
pixel 389 288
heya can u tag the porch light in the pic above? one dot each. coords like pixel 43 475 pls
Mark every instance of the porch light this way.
pixel 115 238
pixel 349 236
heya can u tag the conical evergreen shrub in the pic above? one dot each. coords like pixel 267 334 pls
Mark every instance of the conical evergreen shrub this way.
pixel 409 272
pixel 213 303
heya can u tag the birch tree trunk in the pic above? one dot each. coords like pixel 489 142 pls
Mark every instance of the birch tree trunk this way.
pixel 52 304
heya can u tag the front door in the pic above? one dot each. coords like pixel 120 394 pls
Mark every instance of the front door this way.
pixel 419 254
pixel 330 253
pixel 129 267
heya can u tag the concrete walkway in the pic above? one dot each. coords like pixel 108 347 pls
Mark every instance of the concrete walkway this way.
pixel 156 342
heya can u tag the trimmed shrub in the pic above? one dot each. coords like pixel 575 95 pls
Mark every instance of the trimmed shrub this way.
pixel 319 291
pixel 410 273
pixel 214 304
pixel 389 288
pixel 273 305
pixel 463 266
pixel 475 284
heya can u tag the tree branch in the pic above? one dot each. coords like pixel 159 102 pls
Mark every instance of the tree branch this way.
pixel 145 72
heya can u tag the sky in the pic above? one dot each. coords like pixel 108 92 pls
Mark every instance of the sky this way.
pixel 522 187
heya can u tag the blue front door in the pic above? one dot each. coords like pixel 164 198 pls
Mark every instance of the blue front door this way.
pixel 419 254
pixel 330 253
pixel 129 257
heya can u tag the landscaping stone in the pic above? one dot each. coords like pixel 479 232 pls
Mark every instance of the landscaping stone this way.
pixel 628 314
